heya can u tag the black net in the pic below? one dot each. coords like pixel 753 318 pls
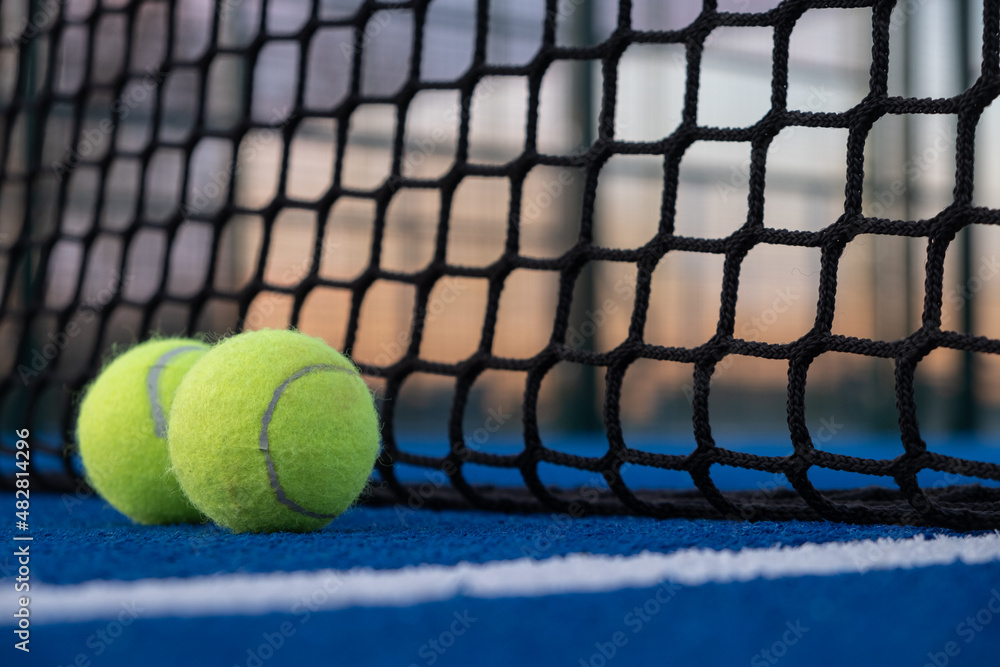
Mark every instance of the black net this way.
pixel 128 136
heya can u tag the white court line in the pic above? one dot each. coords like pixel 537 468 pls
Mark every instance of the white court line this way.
pixel 299 592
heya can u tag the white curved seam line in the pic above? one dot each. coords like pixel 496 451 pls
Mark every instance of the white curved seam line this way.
pixel 153 387
pixel 265 445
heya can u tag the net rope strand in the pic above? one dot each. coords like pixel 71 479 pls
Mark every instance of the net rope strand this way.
pixel 52 100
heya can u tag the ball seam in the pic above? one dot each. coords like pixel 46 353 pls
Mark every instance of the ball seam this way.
pixel 265 445
pixel 153 387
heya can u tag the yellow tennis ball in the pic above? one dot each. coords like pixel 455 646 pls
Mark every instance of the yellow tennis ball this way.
pixel 121 431
pixel 273 430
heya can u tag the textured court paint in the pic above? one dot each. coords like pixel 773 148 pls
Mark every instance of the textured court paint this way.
pixel 576 573
pixel 890 617
pixel 384 538
pixel 882 618
pixel 120 436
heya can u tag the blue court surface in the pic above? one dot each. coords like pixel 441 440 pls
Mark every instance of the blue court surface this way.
pixel 392 586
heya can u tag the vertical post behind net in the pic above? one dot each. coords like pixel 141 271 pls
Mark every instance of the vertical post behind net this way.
pixel 966 409
pixel 27 80
pixel 578 412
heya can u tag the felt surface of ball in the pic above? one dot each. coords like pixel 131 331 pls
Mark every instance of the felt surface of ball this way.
pixel 121 431
pixel 273 430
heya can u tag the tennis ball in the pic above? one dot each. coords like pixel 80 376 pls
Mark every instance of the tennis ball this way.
pixel 121 431
pixel 273 430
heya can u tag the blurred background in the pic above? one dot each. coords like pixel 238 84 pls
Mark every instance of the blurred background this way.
pixel 141 200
